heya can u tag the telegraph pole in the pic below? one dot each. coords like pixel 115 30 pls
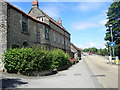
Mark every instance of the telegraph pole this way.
pixel 112 40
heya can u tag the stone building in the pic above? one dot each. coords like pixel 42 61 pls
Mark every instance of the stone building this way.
pixel 36 28
pixel 75 52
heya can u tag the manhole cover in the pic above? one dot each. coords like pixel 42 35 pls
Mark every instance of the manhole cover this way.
pixel 77 74
pixel 98 75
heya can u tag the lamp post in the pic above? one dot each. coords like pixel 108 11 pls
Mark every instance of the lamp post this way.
pixel 109 50
pixel 112 39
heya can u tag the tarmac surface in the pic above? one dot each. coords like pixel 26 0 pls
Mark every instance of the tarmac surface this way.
pixel 107 74
pixel 77 76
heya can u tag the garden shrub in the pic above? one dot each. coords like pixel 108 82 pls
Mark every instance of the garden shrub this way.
pixel 18 60
pixel 28 60
pixel 43 59
pixel 60 58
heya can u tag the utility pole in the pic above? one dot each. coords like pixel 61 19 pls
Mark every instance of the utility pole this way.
pixel 112 39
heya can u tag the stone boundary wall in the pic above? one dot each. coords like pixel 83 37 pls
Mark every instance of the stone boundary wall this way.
pixel 3 30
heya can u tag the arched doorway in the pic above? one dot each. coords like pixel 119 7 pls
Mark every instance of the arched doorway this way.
pixel 25 44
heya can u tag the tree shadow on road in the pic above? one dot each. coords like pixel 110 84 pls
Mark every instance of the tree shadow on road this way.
pixel 11 82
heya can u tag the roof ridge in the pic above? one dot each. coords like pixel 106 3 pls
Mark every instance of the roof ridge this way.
pixel 54 21
pixel 37 19
pixel 75 46
pixel 23 11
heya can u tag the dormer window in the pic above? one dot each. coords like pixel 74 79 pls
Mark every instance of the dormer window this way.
pixel 38 18
pixel 41 18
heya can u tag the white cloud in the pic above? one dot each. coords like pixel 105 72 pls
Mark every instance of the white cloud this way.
pixel 84 25
pixel 91 45
pixel 103 22
pixel 77 45
pixel 88 25
pixel 52 11
pixel 86 45
pixel 88 6
pixel 93 22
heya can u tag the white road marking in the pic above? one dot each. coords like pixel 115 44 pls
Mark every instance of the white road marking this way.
pixel 115 66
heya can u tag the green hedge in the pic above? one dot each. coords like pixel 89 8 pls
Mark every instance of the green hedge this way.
pixel 60 58
pixel 28 59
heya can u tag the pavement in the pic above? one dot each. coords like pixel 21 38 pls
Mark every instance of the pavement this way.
pixel 1 66
pixel 78 76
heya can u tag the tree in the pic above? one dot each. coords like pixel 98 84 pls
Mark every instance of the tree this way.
pixel 113 15
pixel 97 51
pixel 102 52
pixel 93 50
pixel 86 50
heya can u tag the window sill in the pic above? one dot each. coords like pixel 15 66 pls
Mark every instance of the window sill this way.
pixel 26 33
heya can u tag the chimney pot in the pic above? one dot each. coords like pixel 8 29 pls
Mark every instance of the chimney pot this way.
pixel 60 22
pixel 35 3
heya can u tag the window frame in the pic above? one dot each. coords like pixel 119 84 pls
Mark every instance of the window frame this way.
pixel 63 40
pixel 54 37
pixel 47 33
pixel 24 24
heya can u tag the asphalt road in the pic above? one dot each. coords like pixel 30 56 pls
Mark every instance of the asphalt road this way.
pixel 107 74
pixel 78 76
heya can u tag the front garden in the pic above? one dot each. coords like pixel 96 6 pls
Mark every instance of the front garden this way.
pixel 23 60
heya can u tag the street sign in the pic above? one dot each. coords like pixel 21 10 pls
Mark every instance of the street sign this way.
pixel 112 44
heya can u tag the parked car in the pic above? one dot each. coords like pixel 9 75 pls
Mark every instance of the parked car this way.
pixel 90 53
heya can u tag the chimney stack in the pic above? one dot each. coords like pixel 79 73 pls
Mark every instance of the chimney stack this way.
pixel 35 3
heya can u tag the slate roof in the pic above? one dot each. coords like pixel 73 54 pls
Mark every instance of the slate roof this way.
pixel 24 13
pixel 79 49
pixel 52 20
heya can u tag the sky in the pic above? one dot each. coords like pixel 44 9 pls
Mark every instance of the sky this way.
pixel 84 20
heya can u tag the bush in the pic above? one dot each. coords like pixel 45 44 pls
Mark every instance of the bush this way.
pixel 17 59
pixel 60 58
pixel 43 59
pixel 29 60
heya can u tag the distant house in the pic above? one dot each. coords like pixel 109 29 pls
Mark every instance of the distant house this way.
pixel 18 29
pixel 75 51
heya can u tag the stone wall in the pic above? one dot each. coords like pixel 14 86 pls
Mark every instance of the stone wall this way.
pixel 74 51
pixel 37 13
pixel 57 34
pixel 11 33
pixel 61 35
pixel 16 36
pixel 3 30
